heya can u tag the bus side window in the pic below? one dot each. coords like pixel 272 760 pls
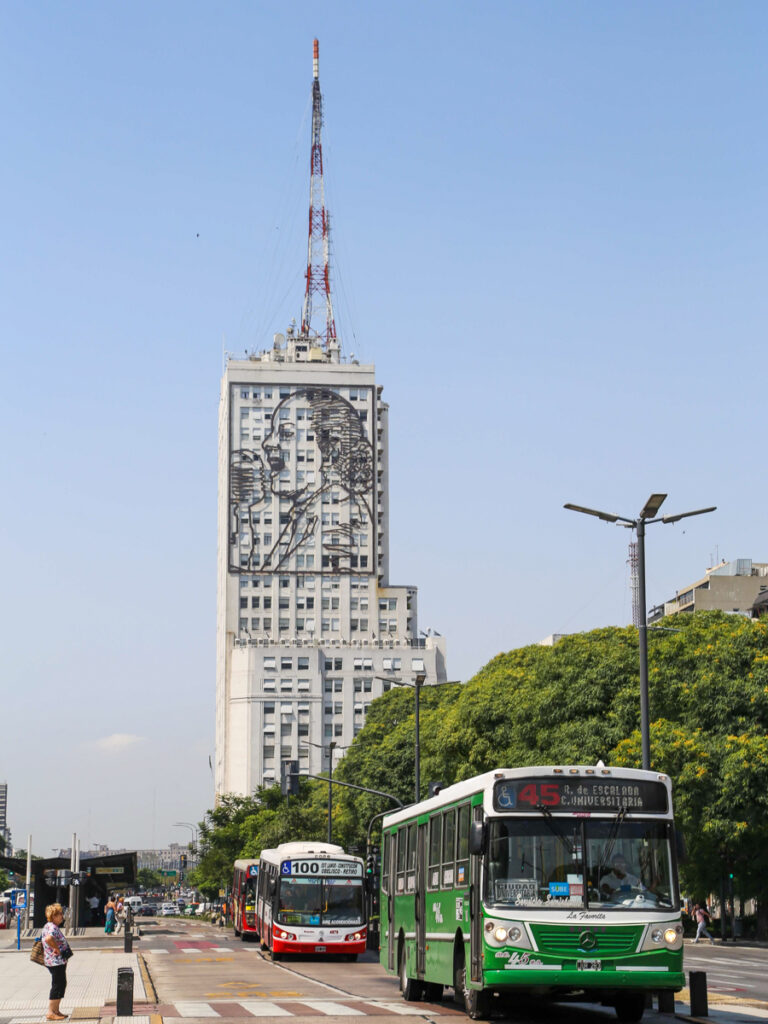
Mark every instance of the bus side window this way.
pixel 449 848
pixel 433 871
pixel 401 839
pixel 385 840
pixel 410 880
pixel 462 846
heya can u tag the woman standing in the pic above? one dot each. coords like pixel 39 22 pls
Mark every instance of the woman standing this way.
pixel 110 911
pixel 56 952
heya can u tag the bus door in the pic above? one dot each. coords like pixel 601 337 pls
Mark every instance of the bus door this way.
pixel 392 868
pixel 475 905
pixel 420 909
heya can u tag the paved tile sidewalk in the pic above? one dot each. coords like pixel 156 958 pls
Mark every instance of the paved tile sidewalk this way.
pixel 91 981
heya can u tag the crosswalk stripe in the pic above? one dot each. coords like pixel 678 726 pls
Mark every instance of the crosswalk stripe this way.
pixel 262 1008
pixel 196 1010
pixel 402 1008
pixel 332 1009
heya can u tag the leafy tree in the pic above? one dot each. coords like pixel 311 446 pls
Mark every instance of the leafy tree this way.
pixel 149 879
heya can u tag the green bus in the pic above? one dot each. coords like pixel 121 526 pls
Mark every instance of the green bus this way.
pixel 556 882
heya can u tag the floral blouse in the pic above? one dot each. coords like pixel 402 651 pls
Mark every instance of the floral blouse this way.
pixel 54 959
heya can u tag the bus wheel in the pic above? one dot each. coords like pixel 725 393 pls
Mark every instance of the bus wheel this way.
pixel 630 1007
pixel 474 1001
pixel 411 988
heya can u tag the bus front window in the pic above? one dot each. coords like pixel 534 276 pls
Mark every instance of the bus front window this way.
pixel 629 864
pixel 535 862
pixel 300 901
pixel 343 901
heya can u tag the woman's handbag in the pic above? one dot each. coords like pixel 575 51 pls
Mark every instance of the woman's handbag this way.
pixel 37 956
pixel 67 953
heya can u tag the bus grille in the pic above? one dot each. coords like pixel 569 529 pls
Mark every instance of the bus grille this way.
pixel 566 940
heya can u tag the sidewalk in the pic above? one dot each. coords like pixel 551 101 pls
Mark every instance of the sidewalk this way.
pixel 91 984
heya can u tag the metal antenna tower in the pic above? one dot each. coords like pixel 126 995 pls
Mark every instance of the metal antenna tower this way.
pixel 318 272
pixel 634 584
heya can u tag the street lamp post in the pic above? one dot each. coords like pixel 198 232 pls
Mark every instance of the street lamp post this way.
pixel 417 684
pixel 331 747
pixel 647 515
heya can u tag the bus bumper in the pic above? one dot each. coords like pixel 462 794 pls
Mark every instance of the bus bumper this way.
pixel 556 976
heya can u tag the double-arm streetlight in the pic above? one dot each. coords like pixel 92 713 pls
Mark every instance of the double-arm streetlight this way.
pixel 647 515
pixel 418 682
pixel 331 747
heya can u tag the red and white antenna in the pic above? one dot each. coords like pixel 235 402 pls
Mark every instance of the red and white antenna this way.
pixel 318 270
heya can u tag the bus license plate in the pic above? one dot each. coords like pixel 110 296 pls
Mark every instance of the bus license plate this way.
pixel 320 949
pixel 589 965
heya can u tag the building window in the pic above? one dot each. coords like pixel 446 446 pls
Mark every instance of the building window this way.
pixel 269 662
pixel 255 602
pixel 303 663
pixel 286 663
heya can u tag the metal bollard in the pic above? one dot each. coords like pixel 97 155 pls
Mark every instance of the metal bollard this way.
pixel 666 1002
pixel 697 983
pixel 124 1000
pixel 128 941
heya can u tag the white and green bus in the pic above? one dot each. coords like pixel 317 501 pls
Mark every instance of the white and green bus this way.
pixel 555 882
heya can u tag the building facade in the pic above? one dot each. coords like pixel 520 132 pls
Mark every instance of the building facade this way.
pixel 309 628
pixel 728 587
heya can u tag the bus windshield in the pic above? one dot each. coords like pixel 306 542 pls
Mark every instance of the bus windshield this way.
pixel 320 901
pixel 542 862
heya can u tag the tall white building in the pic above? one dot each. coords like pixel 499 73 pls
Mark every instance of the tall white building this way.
pixel 310 630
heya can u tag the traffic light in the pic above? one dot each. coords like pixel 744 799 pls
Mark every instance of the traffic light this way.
pixel 370 864
pixel 182 860
pixel 289 778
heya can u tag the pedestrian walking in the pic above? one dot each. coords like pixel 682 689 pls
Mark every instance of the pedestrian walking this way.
pixel 702 918
pixel 56 952
pixel 119 914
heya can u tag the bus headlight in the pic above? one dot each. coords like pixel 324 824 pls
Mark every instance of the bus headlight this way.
pixel 666 934
pixel 506 933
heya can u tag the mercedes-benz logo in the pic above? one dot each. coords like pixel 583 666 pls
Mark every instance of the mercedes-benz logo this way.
pixel 587 940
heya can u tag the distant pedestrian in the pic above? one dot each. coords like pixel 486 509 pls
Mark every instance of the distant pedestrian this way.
pixel 56 952
pixel 119 914
pixel 702 919
pixel 110 919
pixel 93 903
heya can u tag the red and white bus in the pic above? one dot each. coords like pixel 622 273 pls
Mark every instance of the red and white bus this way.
pixel 311 899
pixel 244 899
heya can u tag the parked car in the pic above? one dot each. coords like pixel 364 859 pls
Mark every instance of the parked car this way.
pixel 169 910
pixel 148 910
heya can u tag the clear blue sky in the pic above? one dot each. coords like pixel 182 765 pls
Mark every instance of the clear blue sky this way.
pixel 549 234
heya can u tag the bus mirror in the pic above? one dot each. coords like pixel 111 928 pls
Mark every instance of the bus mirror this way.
pixel 272 887
pixel 682 849
pixel 477 838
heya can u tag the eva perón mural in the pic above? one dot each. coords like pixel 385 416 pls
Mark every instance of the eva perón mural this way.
pixel 301 489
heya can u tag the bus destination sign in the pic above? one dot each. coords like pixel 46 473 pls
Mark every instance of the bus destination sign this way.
pixel 321 868
pixel 579 795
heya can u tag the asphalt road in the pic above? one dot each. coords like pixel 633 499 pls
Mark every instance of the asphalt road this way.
pixel 201 972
